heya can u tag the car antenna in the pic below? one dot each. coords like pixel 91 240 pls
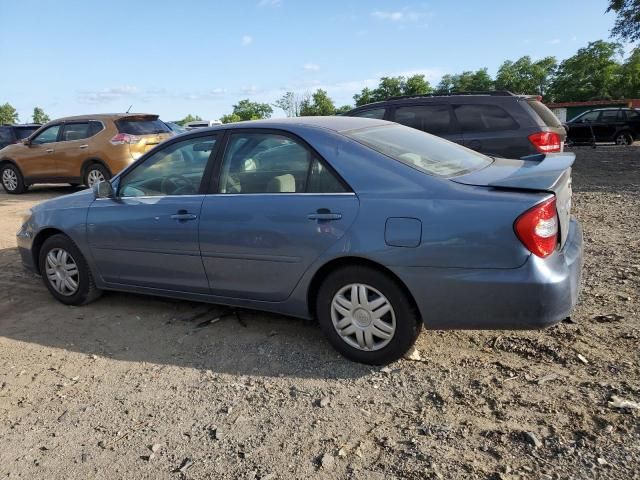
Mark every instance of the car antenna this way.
pixel 129 109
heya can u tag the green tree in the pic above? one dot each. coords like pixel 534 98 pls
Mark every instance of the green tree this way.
pixel 8 114
pixel 39 116
pixel 248 110
pixel 291 103
pixel 319 104
pixel 627 24
pixel 525 76
pixel 592 73
pixel 343 109
pixel 467 81
pixel 446 84
pixel 416 85
pixel 364 97
pixel 393 87
pixel 629 85
pixel 188 118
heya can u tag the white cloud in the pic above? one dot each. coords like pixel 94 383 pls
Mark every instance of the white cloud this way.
pixel 311 67
pixel 555 41
pixel 106 95
pixel 399 16
pixel 270 3
pixel 246 40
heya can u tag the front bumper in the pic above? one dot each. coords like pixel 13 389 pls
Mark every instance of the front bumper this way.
pixel 24 240
pixel 540 293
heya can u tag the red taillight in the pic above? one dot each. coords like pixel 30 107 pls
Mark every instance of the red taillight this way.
pixel 124 138
pixel 546 142
pixel 537 228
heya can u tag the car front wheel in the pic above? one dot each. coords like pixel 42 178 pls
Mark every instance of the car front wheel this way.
pixel 366 315
pixel 12 180
pixel 65 271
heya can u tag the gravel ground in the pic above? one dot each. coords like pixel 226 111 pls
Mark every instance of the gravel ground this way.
pixel 138 387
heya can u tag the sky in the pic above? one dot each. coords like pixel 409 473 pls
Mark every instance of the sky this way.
pixel 200 57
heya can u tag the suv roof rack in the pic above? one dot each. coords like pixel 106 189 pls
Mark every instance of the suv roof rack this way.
pixel 492 93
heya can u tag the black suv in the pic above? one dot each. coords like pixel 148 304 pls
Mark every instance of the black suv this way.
pixel 14 133
pixel 619 125
pixel 495 123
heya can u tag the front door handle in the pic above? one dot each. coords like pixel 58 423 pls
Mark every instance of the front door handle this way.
pixel 49 150
pixel 183 216
pixel 324 214
pixel 82 147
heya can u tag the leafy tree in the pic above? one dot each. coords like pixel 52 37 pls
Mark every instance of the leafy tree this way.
pixel 467 81
pixel 393 87
pixel 343 109
pixel 592 73
pixel 188 118
pixel 629 85
pixel 291 103
pixel 525 76
pixel 627 24
pixel 8 114
pixel 248 110
pixel 39 116
pixel 319 104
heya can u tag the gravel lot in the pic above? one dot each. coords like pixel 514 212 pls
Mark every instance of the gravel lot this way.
pixel 138 387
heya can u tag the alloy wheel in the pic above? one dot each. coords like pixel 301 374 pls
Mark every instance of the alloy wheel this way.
pixel 94 177
pixel 9 179
pixel 62 272
pixel 623 140
pixel 363 317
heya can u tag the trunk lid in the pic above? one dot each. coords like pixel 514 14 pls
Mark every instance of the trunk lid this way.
pixel 539 173
pixel 148 128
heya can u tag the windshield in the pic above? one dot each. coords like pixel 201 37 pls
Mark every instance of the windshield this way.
pixel 422 151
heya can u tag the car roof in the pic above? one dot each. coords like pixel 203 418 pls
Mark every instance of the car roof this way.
pixel 103 116
pixel 334 123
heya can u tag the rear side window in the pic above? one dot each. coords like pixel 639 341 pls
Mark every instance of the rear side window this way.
pixel 633 115
pixel 75 131
pixel 609 115
pixel 426 153
pixel 24 132
pixel 95 127
pixel 377 113
pixel 135 126
pixel 6 135
pixel 428 118
pixel 547 116
pixel 484 118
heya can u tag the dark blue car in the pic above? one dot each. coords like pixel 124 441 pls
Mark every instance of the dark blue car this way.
pixel 371 227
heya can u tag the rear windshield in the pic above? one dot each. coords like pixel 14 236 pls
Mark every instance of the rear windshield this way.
pixel 422 151
pixel 24 132
pixel 134 126
pixel 6 134
pixel 547 116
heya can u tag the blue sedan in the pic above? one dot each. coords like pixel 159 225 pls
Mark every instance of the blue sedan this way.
pixel 372 228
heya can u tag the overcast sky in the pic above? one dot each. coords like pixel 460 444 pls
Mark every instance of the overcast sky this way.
pixel 176 57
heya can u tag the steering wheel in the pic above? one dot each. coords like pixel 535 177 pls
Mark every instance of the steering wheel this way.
pixel 177 185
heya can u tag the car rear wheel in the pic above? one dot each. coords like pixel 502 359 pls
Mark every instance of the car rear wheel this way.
pixel 65 271
pixel 12 180
pixel 624 138
pixel 366 315
pixel 94 174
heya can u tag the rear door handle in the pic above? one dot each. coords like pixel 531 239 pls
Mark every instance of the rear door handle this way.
pixel 324 216
pixel 82 147
pixel 183 216
pixel 49 150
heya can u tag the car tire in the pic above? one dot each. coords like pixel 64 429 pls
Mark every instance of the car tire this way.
pixel 358 329
pixel 12 180
pixel 624 139
pixel 65 271
pixel 94 173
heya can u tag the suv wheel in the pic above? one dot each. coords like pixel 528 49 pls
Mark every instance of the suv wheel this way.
pixel 624 138
pixel 366 315
pixel 12 180
pixel 65 271
pixel 95 173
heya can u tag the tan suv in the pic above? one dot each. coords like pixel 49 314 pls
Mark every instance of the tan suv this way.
pixel 79 150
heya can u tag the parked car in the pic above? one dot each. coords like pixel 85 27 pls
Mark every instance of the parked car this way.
pixel 79 150
pixel 201 124
pixel 494 123
pixel 619 125
pixel 10 134
pixel 372 227
pixel 175 127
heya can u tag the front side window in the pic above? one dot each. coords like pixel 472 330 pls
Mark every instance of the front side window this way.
pixel 426 153
pixel 434 119
pixel 48 135
pixel 75 131
pixel 176 169
pixel 484 118
pixel 587 117
pixel 377 113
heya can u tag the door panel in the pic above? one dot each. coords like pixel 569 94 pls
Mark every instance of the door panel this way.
pixel 148 241
pixel 259 246
pixel 72 149
pixel 38 159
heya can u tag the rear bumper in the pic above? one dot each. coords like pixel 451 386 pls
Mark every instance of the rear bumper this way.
pixel 538 294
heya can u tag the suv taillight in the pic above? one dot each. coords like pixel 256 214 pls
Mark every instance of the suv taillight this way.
pixel 537 228
pixel 124 138
pixel 546 142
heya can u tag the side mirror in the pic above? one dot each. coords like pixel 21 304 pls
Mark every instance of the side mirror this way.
pixel 103 190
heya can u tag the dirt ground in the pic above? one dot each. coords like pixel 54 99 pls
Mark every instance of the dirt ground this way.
pixel 138 387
